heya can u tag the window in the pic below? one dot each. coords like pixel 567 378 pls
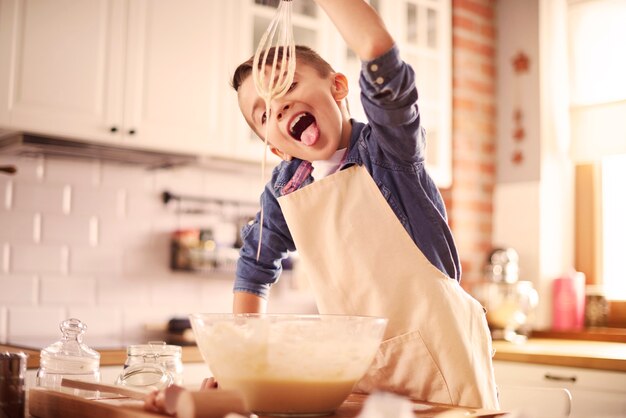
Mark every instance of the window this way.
pixel 597 110
pixel 613 226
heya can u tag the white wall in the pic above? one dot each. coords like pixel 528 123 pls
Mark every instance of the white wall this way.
pixel 91 240
pixel 533 204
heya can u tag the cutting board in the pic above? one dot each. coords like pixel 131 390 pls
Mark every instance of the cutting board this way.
pixel 45 403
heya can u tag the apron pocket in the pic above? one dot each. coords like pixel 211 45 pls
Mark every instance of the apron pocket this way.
pixel 404 365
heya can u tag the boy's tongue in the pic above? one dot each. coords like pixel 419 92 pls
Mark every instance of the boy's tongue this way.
pixel 310 135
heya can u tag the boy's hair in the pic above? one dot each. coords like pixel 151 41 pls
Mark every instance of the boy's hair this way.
pixel 304 54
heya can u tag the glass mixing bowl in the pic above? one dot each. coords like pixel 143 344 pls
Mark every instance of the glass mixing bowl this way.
pixel 287 364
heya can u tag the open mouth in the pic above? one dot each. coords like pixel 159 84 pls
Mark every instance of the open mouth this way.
pixel 304 128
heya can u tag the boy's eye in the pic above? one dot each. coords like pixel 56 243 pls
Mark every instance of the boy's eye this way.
pixel 263 118
pixel 293 85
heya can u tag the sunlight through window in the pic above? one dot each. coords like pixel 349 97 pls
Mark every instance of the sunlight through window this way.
pixel 614 225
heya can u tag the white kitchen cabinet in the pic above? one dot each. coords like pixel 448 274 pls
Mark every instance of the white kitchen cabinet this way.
pixel 595 393
pixel 422 30
pixel 156 74
pixel 310 27
pixel 134 72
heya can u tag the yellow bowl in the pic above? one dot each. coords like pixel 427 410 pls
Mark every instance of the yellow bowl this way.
pixel 287 364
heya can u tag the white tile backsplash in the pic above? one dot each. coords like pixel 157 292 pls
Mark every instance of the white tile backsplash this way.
pixel 19 227
pixel 62 171
pixel 40 322
pixel 123 292
pixel 66 229
pixel 3 325
pixel 29 169
pixel 128 177
pixel 101 321
pixel 37 258
pixel 75 291
pixel 108 202
pixel 96 260
pixel 103 247
pixel 38 197
pixel 6 193
pixel 18 290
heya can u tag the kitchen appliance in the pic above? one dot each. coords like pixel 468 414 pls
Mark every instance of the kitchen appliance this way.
pixel 31 145
pixel 508 301
pixel 288 364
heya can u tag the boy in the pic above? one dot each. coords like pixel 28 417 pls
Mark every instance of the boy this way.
pixel 367 220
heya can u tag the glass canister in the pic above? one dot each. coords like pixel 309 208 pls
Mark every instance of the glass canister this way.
pixel 12 388
pixel 156 365
pixel 68 357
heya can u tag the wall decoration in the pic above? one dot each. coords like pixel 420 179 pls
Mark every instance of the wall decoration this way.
pixel 521 65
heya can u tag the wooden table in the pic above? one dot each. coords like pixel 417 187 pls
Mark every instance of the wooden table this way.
pixel 52 404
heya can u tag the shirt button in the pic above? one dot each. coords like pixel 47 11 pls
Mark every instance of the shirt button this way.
pixel 380 80
pixel 374 68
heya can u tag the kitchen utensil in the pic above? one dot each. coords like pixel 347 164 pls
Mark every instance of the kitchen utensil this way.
pixel 68 357
pixel 12 395
pixel 133 393
pixel 273 83
pixel 8 169
pixel 288 364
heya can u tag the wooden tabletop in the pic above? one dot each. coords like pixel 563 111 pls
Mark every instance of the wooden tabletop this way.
pixel 599 355
pixel 52 404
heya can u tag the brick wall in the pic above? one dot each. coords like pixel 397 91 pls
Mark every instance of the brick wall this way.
pixel 469 200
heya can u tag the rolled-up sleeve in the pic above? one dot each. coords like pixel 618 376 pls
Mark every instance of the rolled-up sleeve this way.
pixel 256 276
pixel 389 98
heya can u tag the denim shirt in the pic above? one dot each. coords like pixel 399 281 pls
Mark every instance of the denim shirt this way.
pixel 391 147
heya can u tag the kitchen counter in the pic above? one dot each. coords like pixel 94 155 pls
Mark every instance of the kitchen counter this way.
pixel 599 355
pixel 108 356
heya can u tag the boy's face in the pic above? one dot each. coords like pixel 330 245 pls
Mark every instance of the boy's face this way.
pixel 306 122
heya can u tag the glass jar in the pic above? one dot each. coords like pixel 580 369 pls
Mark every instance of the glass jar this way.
pixel 69 358
pixel 153 365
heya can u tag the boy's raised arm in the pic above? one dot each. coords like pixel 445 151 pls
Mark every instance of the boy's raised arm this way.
pixel 360 26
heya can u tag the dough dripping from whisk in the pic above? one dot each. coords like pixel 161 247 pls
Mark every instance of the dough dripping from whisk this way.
pixel 278 42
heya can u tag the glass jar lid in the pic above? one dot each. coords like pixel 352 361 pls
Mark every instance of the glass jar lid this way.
pixel 154 350
pixel 70 354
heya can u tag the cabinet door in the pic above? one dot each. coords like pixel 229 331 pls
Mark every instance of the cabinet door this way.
pixel 174 86
pixel 253 17
pixel 422 30
pixel 61 64
pixel 594 392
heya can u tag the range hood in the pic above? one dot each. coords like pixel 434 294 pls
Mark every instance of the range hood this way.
pixel 32 145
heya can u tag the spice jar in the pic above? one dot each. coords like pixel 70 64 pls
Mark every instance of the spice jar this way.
pixel 153 365
pixel 596 307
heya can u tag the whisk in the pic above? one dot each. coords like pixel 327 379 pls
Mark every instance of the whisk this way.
pixel 277 40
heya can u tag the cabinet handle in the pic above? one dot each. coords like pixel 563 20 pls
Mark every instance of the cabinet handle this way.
pixel 131 132
pixel 549 376
pixel 113 129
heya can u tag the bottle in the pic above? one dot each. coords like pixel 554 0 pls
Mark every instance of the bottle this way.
pixel 69 358
pixel 568 302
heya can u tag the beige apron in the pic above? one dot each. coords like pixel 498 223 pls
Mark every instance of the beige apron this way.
pixel 361 261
